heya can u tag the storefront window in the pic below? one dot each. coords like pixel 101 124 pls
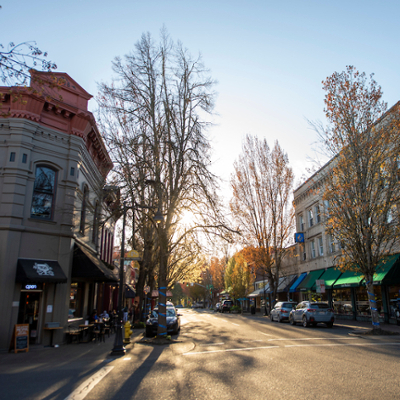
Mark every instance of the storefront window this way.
pixel 75 301
pixel 362 304
pixel 394 296
pixel 342 301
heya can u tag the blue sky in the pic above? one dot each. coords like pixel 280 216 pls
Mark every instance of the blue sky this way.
pixel 269 57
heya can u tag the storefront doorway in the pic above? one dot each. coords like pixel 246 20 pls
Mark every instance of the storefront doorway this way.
pixel 29 307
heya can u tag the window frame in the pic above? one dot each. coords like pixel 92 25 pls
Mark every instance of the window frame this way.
pixel 313 252
pixel 310 218
pixel 36 192
pixel 321 246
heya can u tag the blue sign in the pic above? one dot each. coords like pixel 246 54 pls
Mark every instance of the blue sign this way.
pixel 299 237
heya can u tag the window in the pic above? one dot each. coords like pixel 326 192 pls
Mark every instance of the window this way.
pixel 95 232
pixel 301 223
pixel 310 218
pixel 331 244
pixel 326 208
pixel 318 213
pixel 12 156
pixel 72 171
pixel 321 246
pixel 24 158
pixel 83 210
pixel 313 254
pixel 43 193
pixel 303 251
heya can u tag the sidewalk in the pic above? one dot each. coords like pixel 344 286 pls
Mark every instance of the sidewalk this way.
pixel 356 325
pixel 88 353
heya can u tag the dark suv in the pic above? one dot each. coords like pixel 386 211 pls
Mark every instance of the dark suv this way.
pixel 226 305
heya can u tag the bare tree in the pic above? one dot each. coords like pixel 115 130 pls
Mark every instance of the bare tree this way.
pixel 155 118
pixel 261 205
pixel 361 181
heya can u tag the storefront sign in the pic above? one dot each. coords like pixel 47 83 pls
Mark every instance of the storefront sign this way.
pixel 31 287
pixel 320 284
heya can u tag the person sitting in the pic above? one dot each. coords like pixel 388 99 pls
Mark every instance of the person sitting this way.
pixel 105 315
pixel 94 317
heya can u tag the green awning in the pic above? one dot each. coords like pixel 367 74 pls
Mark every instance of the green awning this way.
pixel 349 279
pixel 309 280
pixel 330 276
pixel 386 273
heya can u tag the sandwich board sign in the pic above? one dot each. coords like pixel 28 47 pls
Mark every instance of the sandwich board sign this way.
pixel 20 340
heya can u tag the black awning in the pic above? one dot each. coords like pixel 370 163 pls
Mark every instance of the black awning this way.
pixel 129 292
pixel 38 271
pixel 86 267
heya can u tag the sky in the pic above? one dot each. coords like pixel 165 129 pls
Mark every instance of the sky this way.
pixel 269 57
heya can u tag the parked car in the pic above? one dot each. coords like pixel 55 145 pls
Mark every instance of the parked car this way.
pixel 173 321
pixel 218 307
pixel 281 311
pixel 311 313
pixel 226 306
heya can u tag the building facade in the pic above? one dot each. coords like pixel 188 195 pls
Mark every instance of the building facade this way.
pixel 56 234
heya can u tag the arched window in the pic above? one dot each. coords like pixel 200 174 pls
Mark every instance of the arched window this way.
pixel 44 191
pixel 83 210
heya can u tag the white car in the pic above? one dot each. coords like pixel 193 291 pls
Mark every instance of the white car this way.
pixel 281 311
pixel 311 313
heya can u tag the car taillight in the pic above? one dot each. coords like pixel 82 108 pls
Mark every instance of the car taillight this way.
pixel 311 310
pixel 284 311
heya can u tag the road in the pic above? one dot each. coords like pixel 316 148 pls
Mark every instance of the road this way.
pixel 237 357
pixel 219 356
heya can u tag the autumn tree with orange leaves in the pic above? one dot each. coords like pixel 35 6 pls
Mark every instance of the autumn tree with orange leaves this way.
pixel 361 184
pixel 262 205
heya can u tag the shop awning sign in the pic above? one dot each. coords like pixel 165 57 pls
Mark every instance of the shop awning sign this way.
pixel 132 255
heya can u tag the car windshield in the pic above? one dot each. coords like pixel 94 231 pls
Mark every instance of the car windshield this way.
pixel 170 312
pixel 288 305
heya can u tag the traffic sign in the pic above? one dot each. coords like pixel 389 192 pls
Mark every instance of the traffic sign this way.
pixel 132 255
pixel 146 289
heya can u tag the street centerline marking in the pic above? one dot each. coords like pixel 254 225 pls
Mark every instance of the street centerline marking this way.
pixel 266 334
pixel 302 339
pixel 230 350
pixel 234 324
pixel 342 344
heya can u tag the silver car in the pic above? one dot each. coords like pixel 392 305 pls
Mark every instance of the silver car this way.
pixel 281 311
pixel 311 313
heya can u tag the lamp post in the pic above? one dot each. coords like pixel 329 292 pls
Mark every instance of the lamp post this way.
pixel 119 348
pixel 162 280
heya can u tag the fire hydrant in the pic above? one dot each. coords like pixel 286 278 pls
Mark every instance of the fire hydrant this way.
pixel 128 332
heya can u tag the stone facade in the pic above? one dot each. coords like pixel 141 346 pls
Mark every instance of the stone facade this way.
pixel 53 165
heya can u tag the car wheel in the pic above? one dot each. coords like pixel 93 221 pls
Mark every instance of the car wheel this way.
pixel 291 320
pixel 305 323
pixel 329 324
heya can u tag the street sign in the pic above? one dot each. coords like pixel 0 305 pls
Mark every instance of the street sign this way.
pixel 132 255
pixel 320 284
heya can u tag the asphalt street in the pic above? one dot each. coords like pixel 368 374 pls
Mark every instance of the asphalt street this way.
pixel 215 356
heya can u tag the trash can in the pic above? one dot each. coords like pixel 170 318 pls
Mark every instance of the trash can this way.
pixel 252 309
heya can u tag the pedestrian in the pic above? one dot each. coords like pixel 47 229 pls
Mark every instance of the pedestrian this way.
pixel 125 317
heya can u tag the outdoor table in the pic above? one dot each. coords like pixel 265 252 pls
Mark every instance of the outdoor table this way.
pixel 52 329
pixel 86 329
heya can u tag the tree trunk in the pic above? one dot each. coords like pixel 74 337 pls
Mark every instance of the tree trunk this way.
pixel 372 304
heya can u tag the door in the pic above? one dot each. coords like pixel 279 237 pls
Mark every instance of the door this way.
pixel 29 313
